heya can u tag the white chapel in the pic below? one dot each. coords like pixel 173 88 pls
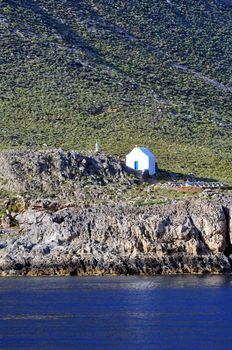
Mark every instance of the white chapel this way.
pixel 141 159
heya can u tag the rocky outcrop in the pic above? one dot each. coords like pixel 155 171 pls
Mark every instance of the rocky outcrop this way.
pixel 59 172
pixel 186 237
pixel 57 223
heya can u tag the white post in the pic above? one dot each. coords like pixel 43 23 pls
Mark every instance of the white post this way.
pixel 96 147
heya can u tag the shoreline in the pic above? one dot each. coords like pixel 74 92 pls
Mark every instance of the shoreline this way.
pixel 75 233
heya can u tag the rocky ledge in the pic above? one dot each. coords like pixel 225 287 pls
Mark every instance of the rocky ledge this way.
pixel 186 237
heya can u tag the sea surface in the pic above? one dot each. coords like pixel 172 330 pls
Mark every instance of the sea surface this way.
pixel 144 313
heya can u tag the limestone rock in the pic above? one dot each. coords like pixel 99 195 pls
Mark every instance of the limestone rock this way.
pixel 188 237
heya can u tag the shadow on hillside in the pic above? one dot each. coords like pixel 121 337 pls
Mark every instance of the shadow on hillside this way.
pixel 69 36
pixel 170 176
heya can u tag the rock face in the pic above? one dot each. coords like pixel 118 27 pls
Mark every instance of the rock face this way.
pixel 58 171
pixel 188 237
pixel 75 234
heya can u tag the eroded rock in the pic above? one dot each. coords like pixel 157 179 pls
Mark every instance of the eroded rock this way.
pixel 188 237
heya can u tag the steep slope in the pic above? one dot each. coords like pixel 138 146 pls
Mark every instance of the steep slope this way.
pixel 146 72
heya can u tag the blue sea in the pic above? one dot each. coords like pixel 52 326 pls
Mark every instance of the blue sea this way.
pixel 137 313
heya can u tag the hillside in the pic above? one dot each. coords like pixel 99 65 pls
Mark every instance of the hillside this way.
pixel 148 72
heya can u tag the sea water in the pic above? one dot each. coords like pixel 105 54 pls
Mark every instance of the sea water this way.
pixel 144 313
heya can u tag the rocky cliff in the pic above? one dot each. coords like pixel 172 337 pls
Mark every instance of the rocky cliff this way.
pixel 186 237
pixel 62 213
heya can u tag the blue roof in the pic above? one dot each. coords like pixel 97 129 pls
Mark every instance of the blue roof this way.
pixel 146 151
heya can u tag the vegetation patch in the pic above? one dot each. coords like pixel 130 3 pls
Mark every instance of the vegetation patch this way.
pixel 122 73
